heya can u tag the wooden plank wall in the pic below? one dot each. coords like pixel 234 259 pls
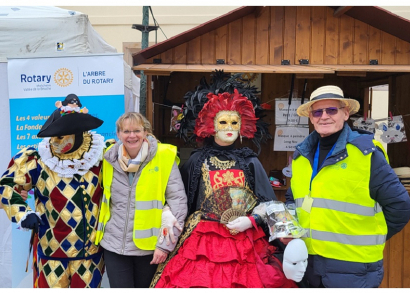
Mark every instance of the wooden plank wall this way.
pixel 397 260
pixel 399 97
pixel 169 90
pixel 293 33
pixel 397 249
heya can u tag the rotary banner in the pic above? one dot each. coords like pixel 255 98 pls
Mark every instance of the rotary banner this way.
pixel 35 84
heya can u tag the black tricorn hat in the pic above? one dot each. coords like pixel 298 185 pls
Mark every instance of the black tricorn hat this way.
pixel 67 123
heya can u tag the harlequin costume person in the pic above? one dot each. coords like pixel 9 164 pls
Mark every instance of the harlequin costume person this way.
pixel 216 249
pixel 65 173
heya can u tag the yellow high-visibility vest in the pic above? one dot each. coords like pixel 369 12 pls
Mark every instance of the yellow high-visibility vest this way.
pixel 344 222
pixel 149 197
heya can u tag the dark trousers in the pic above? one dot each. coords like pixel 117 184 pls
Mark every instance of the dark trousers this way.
pixel 126 271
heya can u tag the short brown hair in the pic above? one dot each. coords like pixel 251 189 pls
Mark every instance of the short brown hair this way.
pixel 136 118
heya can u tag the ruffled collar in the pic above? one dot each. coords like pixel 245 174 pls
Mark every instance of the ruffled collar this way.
pixel 67 168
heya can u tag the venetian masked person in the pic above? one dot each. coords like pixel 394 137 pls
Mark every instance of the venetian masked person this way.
pixel 65 174
pixel 223 244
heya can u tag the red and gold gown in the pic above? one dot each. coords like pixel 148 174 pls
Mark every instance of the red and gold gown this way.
pixel 208 255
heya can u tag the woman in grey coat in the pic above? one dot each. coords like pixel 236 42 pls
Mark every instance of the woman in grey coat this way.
pixel 133 212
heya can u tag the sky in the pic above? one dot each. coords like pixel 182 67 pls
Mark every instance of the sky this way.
pixel 203 3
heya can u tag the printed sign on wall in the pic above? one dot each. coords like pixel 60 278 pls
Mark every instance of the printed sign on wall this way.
pixel 287 137
pixel 285 114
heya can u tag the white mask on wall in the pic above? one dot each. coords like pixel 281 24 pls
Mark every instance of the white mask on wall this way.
pixel 295 260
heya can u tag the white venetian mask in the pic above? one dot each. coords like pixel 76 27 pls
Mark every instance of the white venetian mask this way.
pixel 227 126
pixel 295 260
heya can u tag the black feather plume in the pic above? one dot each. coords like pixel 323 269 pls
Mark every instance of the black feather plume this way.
pixel 221 82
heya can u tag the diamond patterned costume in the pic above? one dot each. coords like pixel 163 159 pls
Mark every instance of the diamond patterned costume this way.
pixel 67 198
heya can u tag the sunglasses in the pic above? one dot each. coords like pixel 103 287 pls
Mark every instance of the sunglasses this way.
pixel 329 111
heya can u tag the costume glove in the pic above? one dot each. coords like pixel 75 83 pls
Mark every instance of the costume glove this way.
pixel 167 226
pixel 240 224
pixel 32 221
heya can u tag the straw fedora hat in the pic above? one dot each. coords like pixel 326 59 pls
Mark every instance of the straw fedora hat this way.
pixel 328 92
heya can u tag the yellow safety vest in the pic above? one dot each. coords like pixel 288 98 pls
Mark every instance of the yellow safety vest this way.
pixel 344 222
pixel 149 197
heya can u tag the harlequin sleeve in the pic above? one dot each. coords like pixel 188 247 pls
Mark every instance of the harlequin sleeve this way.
pixel 18 175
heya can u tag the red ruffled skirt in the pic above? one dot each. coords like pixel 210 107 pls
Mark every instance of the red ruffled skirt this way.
pixel 213 258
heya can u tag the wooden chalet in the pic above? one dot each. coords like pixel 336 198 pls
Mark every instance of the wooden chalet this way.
pixel 353 47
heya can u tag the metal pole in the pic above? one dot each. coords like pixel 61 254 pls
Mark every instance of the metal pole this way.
pixel 144 44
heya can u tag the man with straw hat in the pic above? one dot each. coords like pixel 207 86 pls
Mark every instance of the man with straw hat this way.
pixel 347 196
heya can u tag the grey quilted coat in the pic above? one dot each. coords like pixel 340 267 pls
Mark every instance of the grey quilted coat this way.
pixel 119 229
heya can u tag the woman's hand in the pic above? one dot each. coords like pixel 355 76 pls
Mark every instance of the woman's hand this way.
pixel 159 257
pixel 240 224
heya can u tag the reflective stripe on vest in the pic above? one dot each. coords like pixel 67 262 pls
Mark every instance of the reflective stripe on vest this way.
pixel 340 206
pixel 146 233
pixel 347 239
pixel 147 205
pixel 149 196
pixel 344 222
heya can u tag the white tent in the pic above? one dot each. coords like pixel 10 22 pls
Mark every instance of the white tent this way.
pixel 46 31
pixel 41 31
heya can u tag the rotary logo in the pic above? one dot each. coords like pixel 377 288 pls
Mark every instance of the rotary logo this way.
pixel 155 169
pixel 63 77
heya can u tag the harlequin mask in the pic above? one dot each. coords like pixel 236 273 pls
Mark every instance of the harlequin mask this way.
pixel 227 126
pixel 62 144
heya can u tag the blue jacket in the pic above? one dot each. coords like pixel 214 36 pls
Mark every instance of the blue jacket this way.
pixel 384 187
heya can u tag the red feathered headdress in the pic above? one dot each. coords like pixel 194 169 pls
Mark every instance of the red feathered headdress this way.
pixel 204 126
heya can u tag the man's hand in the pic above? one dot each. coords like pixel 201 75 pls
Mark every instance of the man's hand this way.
pixel 286 240
pixel 159 257
pixel 32 221
pixel 260 210
pixel 167 226
pixel 240 224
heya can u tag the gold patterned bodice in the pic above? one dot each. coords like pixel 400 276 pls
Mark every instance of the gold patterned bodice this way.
pixel 224 189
